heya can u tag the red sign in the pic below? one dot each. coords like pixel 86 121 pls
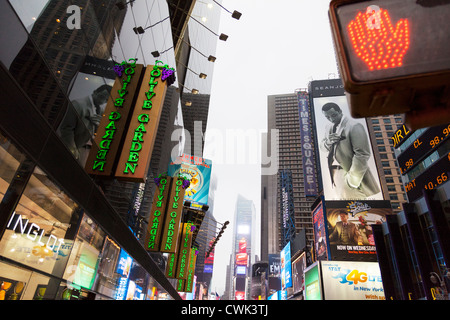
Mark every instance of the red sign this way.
pixel 239 295
pixel 242 246
pixel 376 41
pixel 241 259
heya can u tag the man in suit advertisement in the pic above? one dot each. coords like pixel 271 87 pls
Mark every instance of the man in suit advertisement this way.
pixel 346 159
pixel 349 226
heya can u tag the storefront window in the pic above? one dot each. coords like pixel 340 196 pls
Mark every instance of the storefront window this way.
pixel 84 259
pixel 35 233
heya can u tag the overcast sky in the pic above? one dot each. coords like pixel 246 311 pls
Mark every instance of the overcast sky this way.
pixel 276 47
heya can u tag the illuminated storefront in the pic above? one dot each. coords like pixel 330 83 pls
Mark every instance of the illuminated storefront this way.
pixel 63 233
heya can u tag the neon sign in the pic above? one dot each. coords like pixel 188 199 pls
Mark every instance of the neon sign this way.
pixel 141 133
pixel 378 43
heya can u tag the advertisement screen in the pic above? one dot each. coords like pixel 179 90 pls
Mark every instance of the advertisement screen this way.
pixel 345 152
pixel 274 272
pixel 320 233
pixel 298 267
pixel 198 171
pixel 344 280
pixel 241 270
pixel 124 263
pixel 350 233
pixel 313 290
pixel 241 259
pixel 286 271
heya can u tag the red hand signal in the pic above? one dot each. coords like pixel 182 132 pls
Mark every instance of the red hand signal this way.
pixel 376 41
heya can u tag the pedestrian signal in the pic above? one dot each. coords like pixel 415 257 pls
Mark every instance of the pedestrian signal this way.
pixel 394 57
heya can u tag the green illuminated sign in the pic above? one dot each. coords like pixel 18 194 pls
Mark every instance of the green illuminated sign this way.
pixel 157 214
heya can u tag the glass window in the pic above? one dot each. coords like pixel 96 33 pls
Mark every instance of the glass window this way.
pixel 84 258
pixel 21 284
pixel 35 234
pixel 10 158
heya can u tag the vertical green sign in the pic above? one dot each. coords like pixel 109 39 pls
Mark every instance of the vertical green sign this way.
pixel 158 214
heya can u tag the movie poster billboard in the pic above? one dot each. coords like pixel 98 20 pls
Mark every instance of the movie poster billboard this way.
pixel 274 274
pixel 346 157
pixel 345 280
pixel 198 171
pixel 320 232
pixel 350 233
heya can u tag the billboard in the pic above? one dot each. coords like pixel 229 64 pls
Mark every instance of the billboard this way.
pixel 198 171
pixel 320 232
pixel 350 233
pixel 298 267
pixel 309 172
pixel 313 287
pixel 345 153
pixel 286 271
pixel 345 280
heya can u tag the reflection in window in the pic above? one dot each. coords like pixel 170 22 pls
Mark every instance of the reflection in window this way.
pixel 10 159
pixel 83 261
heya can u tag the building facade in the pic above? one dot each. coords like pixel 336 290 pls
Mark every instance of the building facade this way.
pixel 413 246
pixel 63 233
pixel 284 117
pixel 243 253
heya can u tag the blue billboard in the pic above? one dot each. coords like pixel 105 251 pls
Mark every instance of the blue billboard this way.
pixel 198 171
pixel 286 271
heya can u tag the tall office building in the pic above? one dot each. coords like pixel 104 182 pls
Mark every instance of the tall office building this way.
pixel 414 246
pixel 243 253
pixel 381 130
pixel 284 115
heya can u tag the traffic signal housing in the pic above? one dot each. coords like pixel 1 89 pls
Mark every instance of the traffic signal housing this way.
pixel 394 57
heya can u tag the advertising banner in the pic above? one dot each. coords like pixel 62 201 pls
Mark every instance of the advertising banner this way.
pixel 286 271
pixel 344 280
pixel 313 288
pixel 298 267
pixel 198 171
pixel 309 172
pixel 320 232
pixel 350 233
pixel 158 214
pixel 346 159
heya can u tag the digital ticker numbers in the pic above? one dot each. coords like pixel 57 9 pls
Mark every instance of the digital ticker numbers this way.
pixel 434 176
pixel 422 146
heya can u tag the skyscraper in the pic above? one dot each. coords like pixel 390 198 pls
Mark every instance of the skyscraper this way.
pixel 242 250
pixel 284 116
